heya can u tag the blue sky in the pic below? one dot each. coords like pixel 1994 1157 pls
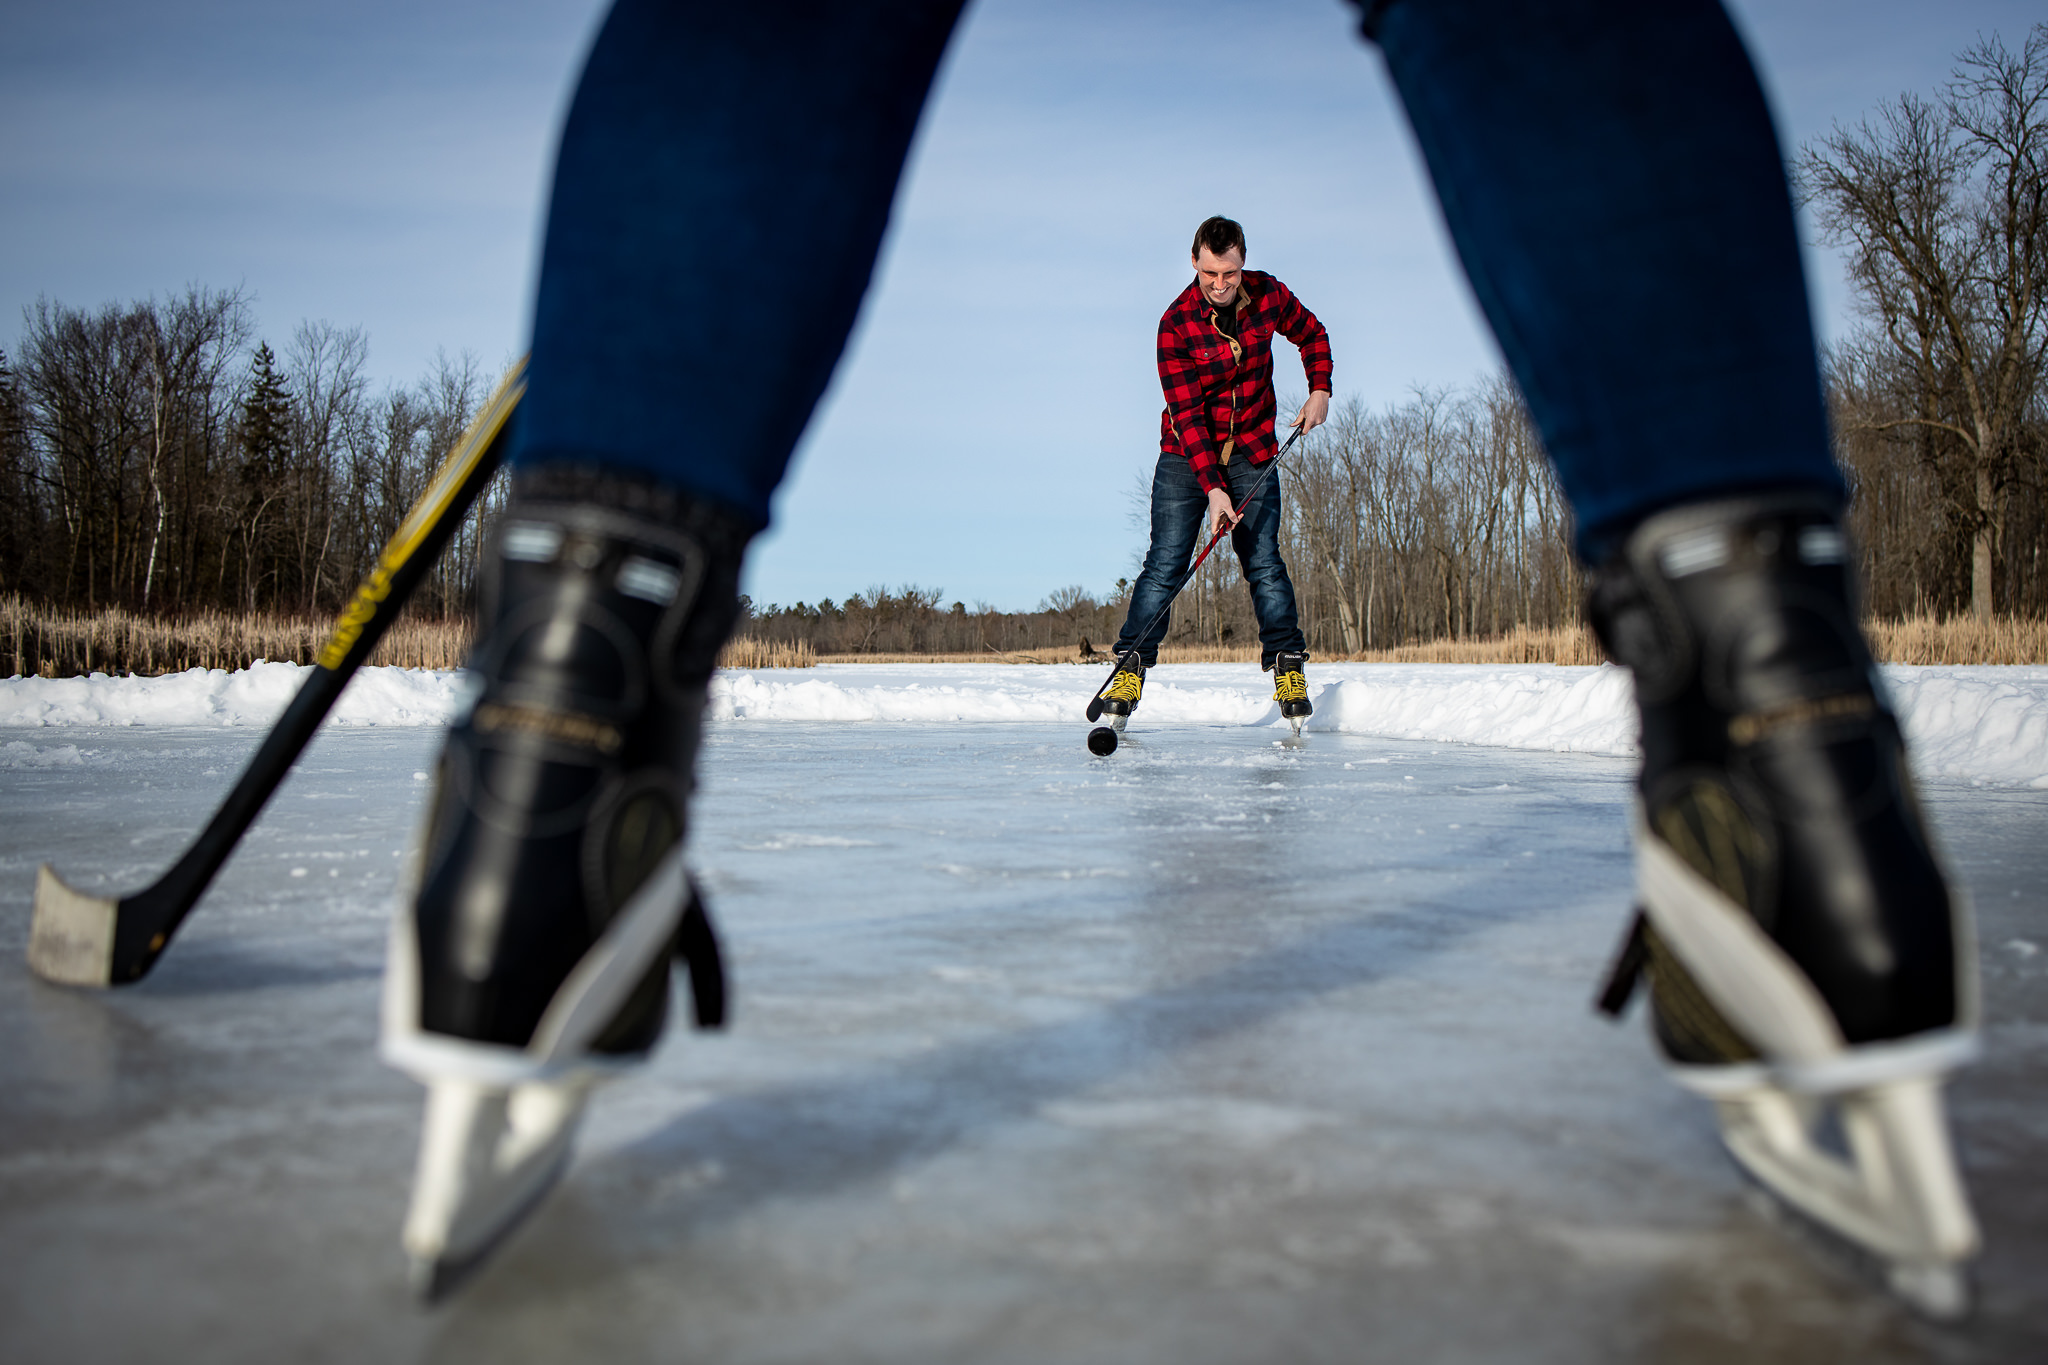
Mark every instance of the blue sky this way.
pixel 384 164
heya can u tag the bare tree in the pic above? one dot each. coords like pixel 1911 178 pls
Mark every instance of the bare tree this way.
pixel 1943 205
pixel 325 367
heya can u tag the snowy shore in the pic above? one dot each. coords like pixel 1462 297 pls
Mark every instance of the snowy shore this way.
pixel 1984 724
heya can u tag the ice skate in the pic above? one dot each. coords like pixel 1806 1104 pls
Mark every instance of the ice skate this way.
pixel 531 961
pixel 1120 696
pixel 1290 689
pixel 1810 971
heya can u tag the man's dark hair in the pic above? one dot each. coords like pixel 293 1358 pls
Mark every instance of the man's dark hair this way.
pixel 1220 235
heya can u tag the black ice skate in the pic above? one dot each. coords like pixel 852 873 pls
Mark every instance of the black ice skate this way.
pixel 1810 971
pixel 533 961
pixel 1120 695
pixel 1290 689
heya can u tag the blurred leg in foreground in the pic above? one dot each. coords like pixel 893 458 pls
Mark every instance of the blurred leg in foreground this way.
pixel 723 183
pixel 1611 179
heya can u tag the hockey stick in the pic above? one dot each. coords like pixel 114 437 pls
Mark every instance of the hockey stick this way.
pixel 1095 704
pixel 82 940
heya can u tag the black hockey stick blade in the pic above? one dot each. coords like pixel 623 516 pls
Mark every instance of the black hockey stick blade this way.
pixel 83 940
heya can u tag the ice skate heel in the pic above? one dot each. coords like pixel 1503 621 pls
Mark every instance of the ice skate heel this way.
pixel 1120 696
pixel 531 959
pixel 1809 969
pixel 1290 689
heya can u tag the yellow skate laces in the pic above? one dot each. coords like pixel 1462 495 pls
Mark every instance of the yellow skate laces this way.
pixel 1290 686
pixel 1126 686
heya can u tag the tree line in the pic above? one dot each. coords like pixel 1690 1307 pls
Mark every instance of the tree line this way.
pixel 915 620
pixel 158 457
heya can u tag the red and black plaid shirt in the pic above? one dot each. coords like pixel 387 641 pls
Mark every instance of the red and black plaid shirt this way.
pixel 1219 391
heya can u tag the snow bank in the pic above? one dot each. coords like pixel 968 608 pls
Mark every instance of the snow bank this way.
pixel 1531 706
pixel 208 697
pixel 1981 724
pixel 1986 724
pixel 1193 694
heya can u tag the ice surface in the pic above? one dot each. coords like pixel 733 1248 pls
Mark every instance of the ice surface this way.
pixel 1214 1050
pixel 1217 1049
pixel 1985 724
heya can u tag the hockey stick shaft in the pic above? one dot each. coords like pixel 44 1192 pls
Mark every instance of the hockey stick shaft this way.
pixel 95 941
pixel 1095 703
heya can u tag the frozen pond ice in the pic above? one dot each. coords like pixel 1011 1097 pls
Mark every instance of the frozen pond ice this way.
pixel 1212 1050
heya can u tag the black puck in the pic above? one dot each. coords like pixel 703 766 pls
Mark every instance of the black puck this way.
pixel 1102 741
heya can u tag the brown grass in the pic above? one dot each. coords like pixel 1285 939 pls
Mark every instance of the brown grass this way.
pixel 1066 655
pixel 744 651
pixel 56 644
pixel 59 644
pixel 1919 640
pixel 1924 640
pixel 1522 645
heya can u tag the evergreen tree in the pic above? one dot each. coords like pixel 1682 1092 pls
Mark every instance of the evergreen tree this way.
pixel 264 436
pixel 266 413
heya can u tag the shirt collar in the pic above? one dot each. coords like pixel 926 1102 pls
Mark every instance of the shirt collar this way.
pixel 1244 296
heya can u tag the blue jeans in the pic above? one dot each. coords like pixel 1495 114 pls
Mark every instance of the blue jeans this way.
pixel 1179 525
pixel 722 186
pixel 1607 168
pixel 1610 176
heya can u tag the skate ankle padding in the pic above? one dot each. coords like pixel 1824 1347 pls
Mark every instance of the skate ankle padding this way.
pixel 1772 766
pixel 563 788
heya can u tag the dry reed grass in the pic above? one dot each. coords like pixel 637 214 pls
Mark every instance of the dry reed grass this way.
pixel 58 644
pixel 1522 645
pixel 744 651
pixel 985 656
pixel 1963 640
pixel 55 644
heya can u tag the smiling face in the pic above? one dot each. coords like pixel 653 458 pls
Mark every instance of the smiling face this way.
pixel 1219 276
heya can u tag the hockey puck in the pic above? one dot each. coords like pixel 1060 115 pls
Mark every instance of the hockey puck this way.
pixel 1102 741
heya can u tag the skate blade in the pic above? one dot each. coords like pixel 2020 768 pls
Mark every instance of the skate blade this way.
pixel 1118 723
pixel 488 1155
pixel 1894 1204
pixel 71 937
pixel 1938 1292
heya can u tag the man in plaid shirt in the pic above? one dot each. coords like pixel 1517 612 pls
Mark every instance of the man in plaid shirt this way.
pixel 1215 439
